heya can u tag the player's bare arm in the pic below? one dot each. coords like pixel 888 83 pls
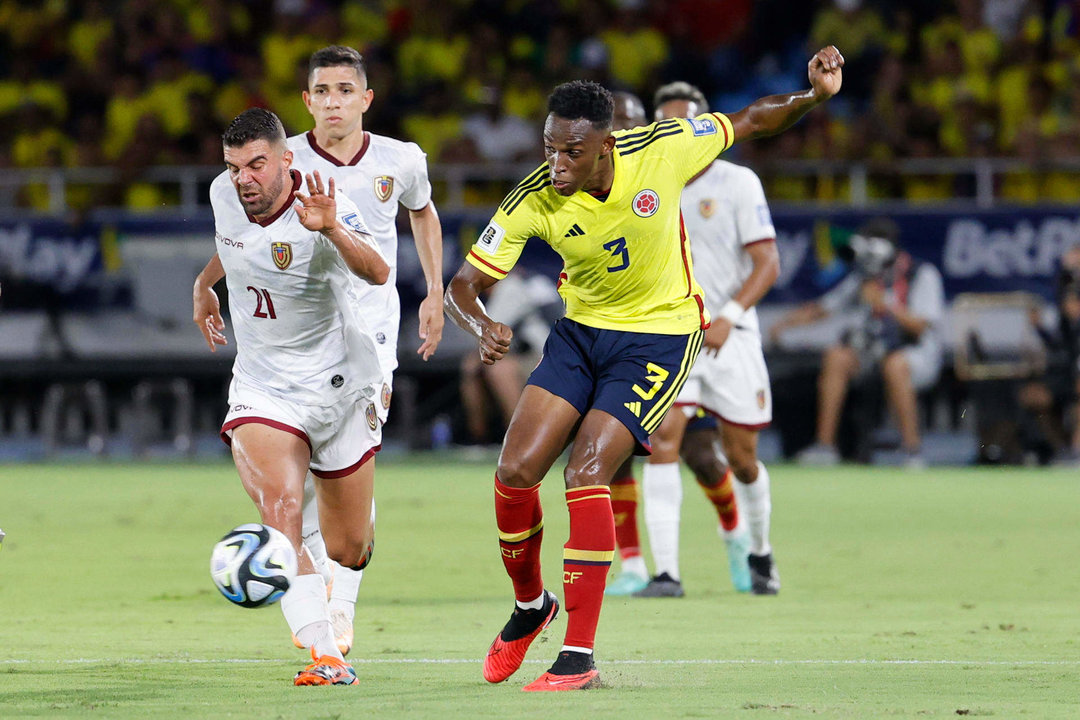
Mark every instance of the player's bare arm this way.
pixel 775 113
pixel 207 313
pixel 318 211
pixel 765 270
pixel 465 309
pixel 427 232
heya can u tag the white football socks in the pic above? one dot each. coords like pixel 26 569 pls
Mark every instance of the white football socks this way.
pixel 755 506
pixel 636 565
pixel 662 494
pixel 306 610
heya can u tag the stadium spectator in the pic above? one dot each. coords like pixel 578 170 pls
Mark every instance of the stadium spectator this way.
pixel 1051 399
pixel 896 304
pixel 528 304
pixel 634 317
pixel 304 385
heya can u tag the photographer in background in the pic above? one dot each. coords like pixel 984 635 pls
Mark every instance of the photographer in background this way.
pixel 897 304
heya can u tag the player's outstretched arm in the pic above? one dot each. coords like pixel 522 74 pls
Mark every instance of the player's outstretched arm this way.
pixel 776 113
pixel 318 212
pixel 427 232
pixel 465 309
pixel 207 314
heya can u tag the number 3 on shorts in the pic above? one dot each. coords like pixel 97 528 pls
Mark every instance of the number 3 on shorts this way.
pixel 656 375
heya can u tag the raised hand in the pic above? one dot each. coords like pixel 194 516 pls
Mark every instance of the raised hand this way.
pixel 317 210
pixel 825 71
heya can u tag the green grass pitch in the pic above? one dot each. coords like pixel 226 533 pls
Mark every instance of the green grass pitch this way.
pixel 935 594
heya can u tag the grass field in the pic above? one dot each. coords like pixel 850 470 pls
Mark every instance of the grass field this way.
pixel 935 594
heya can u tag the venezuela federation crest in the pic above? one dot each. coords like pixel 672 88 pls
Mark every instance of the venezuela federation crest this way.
pixel 282 254
pixel 384 187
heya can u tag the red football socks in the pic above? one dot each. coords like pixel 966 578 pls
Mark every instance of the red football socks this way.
pixel 624 502
pixel 722 496
pixel 587 557
pixel 521 530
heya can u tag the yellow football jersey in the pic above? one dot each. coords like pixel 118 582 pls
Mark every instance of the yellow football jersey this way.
pixel 626 259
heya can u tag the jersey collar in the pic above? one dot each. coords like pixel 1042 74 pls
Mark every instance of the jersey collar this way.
pixel 325 155
pixel 296 177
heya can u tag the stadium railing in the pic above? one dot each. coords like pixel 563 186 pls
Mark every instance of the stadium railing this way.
pixel 461 186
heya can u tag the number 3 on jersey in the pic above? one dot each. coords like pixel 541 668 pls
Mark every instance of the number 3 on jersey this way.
pixel 617 248
pixel 656 375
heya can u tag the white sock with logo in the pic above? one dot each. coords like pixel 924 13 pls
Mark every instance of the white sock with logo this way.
pixel 306 610
pixel 662 494
pixel 755 506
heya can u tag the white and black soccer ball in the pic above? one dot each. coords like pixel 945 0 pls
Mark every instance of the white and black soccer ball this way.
pixel 253 565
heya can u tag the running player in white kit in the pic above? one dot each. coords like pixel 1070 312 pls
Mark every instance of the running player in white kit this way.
pixel 379 174
pixel 736 262
pixel 306 377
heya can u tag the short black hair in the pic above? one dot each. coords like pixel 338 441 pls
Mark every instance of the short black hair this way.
pixel 583 99
pixel 680 90
pixel 253 124
pixel 336 55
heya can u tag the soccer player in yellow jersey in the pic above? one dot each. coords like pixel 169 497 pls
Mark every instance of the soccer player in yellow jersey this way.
pixel 609 205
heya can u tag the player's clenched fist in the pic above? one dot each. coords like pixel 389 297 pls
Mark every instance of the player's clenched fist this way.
pixel 495 342
pixel 825 71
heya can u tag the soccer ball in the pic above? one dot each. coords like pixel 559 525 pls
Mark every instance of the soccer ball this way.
pixel 253 565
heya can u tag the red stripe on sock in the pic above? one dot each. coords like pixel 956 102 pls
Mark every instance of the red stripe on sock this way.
pixel 592 532
pixel 518 510
pixel 722 496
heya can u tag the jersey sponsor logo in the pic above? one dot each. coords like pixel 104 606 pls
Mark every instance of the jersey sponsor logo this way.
pixel 337 381
pixel 228 241
pixel 702 126
pixel 353 220
pixel 282 254
pixel 706 208
pixel 634 407
pixel 384 187
pixel 646 203
pixel 491 238
pixel 386 394
pixel 372 417
pixel 380 337
pixel 575 231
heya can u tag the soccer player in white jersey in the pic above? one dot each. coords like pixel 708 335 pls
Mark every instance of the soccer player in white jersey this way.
pixel 732 240
pixel 307 376
pixel 379 174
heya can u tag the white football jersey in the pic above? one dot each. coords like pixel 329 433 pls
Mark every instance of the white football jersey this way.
pixel 724 211
pixel 384 173
pixel 293 303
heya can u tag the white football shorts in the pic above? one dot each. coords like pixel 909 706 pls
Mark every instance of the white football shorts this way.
pixel 733 385
pixel 340 440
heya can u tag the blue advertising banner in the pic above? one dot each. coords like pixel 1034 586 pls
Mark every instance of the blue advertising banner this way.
pixel 977 251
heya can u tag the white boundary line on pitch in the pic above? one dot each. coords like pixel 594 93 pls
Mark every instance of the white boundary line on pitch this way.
pixel 477 661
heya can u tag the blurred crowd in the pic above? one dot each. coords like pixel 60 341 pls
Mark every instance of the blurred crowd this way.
pixel 132 84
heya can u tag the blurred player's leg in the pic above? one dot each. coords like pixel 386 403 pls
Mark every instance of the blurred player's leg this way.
pixel 702 455
pixel 756 502
pixel 624 502
pixel 661 481
pixel 343 592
